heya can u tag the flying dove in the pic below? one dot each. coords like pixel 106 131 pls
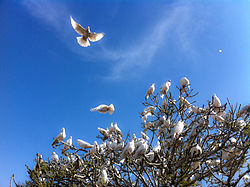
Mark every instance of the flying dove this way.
pixel 86 34
pixel 104 109
pixel 60 137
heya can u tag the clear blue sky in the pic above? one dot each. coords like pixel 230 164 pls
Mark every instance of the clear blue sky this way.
pixel 47 81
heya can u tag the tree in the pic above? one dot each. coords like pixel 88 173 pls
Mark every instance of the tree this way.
pixel 181 144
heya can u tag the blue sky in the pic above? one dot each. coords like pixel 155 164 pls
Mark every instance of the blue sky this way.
pixel 48 81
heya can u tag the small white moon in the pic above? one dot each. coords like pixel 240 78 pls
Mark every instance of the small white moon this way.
pixel 220 50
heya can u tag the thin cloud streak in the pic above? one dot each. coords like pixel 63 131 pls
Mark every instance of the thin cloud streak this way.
pixel 133 59
pixel 141 55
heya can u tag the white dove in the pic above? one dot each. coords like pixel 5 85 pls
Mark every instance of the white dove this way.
pixel 86 34
pixel 67 145
pixel 103 178
pixel 54 157
pixel 128 150
pixel 104 109
pixel 60 137
pixel 178 128
pixel 117 129
pixel 216 101
pixel 141 150
pixel 196 150
pixel 184 81
pixel 150 91
pixel 84 144
pixel 94 149
pixel 164 88
pixel 184 101
pixel 105 133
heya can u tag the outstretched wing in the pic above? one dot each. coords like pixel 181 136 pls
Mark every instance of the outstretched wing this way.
pixel 78 28
pixel 93 37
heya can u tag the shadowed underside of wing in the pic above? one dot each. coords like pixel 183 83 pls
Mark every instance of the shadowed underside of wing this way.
pixel 78 28
pixel 93 37
pixel 84 42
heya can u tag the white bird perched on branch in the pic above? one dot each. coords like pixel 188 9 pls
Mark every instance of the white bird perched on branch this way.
pixel 60 137
pixel 178 128
pixel 184 81
pixel 67 145
pixel 164 88
pixel 184 101
pixel 128 150
pixel 216 101
pixel 141 150
pixel 54 157
pixel 103 178
pixel 105 133
pixel 86 34
pixel 150 91
pixel 94 149
pixel 196 150
pixel 84 144
pixel 104 109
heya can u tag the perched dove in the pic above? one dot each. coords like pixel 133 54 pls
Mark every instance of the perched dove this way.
pixel 86 34
pixel 164 88
pixel 103 178
pixel 128 150
pixel 67 145
pixel 184 81
pixel 150 91
pixel 196 150
pixel 54 157
pixel 178 128
pixel 60 137
pixel 141 150
pixel 216 101
pixel 84 144
pixel 104 109
pixel 105 133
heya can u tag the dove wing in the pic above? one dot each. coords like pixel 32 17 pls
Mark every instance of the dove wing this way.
pixel 78 28
pixel 93 37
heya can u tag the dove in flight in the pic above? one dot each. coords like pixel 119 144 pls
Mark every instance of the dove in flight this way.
pixel 104 109
pixel 60 137
pixel 86 34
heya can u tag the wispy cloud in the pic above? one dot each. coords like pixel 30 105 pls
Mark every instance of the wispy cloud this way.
pixel 132 58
